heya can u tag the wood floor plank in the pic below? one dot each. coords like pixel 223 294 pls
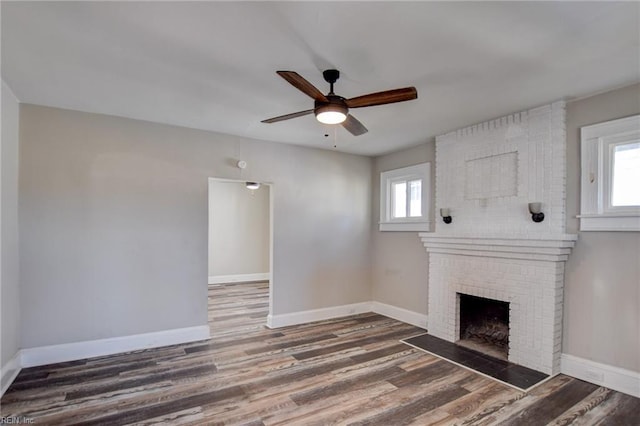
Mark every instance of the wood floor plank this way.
pixel 380 353
pixel 331 409
pixel 626 410
pixel 343 386
pixel 551 406
pixel 579 410
pixel 174 374
pixel 463 407
pixel 435 417
pixel 405 413
pixel 348 345
pixel 166 408
pixel 429 373
pixel 350 370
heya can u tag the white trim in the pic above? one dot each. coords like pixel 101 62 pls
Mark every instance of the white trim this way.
pixel 609 223
pixel 597 142
pixel 545 248
pixel 615 378
pixel 238 278
pixel 9 372
pixel 303 317
pixel 43 355
pixel 613 126
pixel 400 314
pixel 408 226
pixel 421 172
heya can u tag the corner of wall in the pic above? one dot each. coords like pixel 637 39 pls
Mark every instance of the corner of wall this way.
pixel 9 372
pixel 9 247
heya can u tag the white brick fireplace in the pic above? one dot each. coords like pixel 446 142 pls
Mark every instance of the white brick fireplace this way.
pixel 486 175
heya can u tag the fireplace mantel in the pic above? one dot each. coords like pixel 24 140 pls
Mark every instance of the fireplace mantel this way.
pixel 546 248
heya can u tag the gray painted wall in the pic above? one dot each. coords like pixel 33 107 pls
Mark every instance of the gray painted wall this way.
pixel 113 223
pixel 400 262
pixel 9 289
pixel 602 276
pixel 238 229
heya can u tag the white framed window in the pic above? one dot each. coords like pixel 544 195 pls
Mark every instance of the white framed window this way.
pixel 610 176
pixel 404 198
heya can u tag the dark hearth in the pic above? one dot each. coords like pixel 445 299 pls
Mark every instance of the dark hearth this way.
pixel 484 325
pixel 504 371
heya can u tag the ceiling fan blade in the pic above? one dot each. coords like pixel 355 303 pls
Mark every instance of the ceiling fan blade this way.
pixel 287 116
pixel 303 85
pixel 381 98
pixel 355 127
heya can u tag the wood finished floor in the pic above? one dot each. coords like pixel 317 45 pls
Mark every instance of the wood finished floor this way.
pixel 348 371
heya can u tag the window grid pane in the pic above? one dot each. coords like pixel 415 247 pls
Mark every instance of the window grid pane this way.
pixel 399 194
pixel 625 175
pixel 415 197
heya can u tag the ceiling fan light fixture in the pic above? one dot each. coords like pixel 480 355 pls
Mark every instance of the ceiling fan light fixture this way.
pixel 331 114
pixel 334 109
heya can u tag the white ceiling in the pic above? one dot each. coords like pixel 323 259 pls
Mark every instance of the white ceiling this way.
pixel 211 65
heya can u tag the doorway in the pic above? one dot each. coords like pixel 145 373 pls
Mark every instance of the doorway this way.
pixel 240 246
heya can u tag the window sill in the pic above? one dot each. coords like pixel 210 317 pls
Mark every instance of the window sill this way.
pixel 609 222
pixel 405 226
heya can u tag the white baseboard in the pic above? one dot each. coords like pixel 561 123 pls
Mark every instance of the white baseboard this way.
pixel 303 317
pixel 43 355
pixel 400 314
pixel 615 378
pixel 9 373
pixel 238 278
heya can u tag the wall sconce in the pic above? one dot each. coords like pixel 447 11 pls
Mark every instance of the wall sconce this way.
pixel 446 215
pixel 252 185
pixel 536 212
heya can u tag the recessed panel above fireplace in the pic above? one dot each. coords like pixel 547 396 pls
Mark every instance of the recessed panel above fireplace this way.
pixel 491 176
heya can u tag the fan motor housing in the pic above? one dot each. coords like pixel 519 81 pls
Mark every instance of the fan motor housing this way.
pixel 336 103
pixel 336 100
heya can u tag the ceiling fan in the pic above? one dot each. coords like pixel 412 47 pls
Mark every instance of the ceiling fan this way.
pixel 334 109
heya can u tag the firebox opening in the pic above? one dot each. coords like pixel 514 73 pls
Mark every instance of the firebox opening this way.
pixel 484 325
